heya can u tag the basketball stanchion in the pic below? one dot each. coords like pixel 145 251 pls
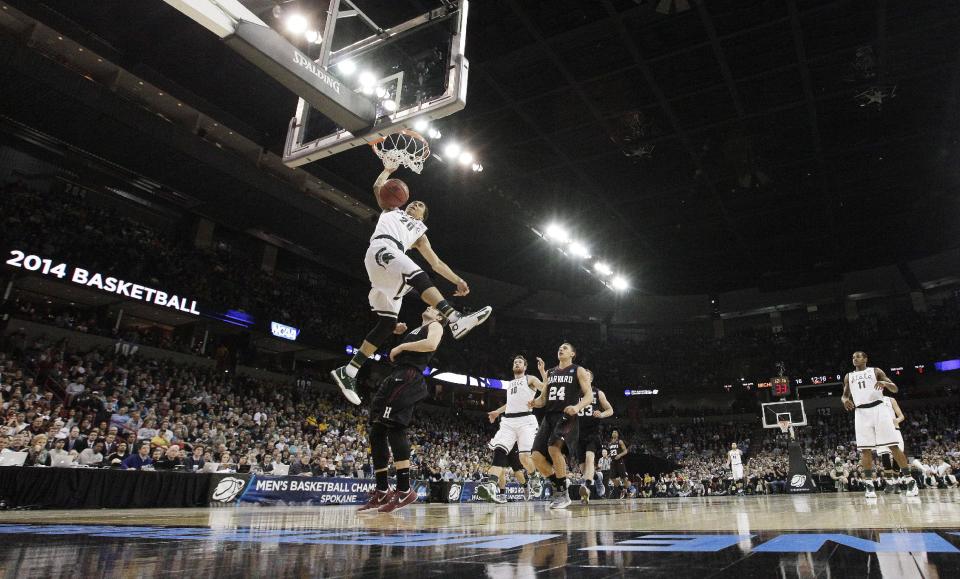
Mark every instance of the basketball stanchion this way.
pixel 788 415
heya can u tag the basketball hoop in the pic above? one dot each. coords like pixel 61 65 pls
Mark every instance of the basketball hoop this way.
pixel 784 426
pixel 407 148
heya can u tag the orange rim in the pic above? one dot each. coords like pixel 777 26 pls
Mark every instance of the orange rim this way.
pixel 408 132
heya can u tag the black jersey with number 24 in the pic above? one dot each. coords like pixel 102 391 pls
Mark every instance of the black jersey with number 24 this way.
pixel 563 388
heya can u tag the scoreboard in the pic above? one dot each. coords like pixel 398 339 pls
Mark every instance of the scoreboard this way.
pixel 780 387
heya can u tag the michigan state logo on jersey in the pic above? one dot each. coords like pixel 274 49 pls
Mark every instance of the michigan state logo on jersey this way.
pixel 384 257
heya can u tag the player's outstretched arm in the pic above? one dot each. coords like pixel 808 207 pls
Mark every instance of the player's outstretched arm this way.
pixel 542 368
pixel 428 344
pixel 539 401
pixel 586 391
pixel 537 384
pixel 384 175
pixel 884 382
pixel 426 250
pixel 847 401
pixel 606 407
pixel 493 414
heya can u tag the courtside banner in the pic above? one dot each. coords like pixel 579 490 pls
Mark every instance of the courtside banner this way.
pixel 308 490
pixel 226 488
pixel 468 492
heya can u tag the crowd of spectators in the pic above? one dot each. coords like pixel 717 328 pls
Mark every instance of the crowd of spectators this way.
pixel 670 360
pixel 330 306
pixel 102 409
pixel 931 437
pixel 113 408
pixel 117 411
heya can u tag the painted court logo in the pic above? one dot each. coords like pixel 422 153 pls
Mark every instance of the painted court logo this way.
pixel 228 489
pixel 896 542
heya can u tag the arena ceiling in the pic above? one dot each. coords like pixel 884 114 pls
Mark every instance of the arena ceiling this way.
pixel 702 146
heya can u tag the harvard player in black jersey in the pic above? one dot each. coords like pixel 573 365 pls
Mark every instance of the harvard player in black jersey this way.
pixel 618 469
pixel 558 431
pixel 590 443
pixel 391 411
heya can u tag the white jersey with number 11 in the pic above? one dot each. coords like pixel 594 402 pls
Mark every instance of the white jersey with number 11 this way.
pixel 863 387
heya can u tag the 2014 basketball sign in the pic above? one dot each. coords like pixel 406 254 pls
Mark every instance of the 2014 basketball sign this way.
pixel 100 281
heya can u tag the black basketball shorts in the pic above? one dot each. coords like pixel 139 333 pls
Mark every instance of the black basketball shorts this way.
pixel 618 469
pixel 589 441
pixel 397 397
pixel 557 426
pixel 513 457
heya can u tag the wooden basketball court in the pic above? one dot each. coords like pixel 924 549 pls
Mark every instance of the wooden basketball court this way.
pixel 820 535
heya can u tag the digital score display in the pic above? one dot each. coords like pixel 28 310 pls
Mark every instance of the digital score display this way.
pixel 780 387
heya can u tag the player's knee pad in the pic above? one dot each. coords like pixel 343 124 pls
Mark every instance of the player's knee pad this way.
pixel 399 443
pixel 382 331
pixel 420 281
pixel 514 461
pixel 379 446
pixel 886 459
pixel 500 457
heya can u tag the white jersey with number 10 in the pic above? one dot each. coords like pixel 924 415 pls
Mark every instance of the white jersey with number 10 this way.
pixel 519 393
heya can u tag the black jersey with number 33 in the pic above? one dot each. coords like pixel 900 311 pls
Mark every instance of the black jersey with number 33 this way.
pixel 563 388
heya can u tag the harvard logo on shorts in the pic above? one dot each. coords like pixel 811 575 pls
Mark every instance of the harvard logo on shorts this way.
pixel 386 413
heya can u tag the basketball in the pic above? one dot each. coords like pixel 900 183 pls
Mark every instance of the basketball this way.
pixel 394 193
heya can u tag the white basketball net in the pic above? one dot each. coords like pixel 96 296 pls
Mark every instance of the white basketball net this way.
pixel 405 148
pixel 784 425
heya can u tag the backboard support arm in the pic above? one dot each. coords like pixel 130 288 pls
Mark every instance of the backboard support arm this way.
pixel 250 37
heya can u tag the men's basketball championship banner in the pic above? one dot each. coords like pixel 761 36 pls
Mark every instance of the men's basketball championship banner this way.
pixel 295 490
pixel 799 479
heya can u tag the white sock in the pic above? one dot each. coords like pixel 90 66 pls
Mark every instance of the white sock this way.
pixel 351 370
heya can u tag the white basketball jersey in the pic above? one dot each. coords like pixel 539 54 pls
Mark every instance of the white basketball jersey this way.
pixel 734 457
pixel 396 225
pixel 889 406
pixel 519 393
pixel 863 387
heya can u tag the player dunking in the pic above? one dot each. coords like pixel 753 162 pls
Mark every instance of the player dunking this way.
pixel 518 428
pixel 590 444
pixel 565 383
pixel 392 274
pixel 391 411
pixel 863 393
pixel 618 468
